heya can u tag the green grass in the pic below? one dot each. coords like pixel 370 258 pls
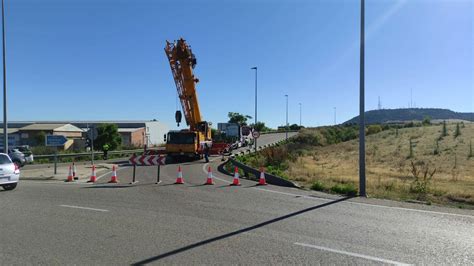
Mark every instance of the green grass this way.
pixel 345 189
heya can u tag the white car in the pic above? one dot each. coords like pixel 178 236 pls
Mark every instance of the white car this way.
pixel 9 172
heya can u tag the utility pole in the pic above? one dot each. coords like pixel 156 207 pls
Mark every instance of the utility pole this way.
pixel 335 116
pixel 380 104
pixel 362 191
pixel 255 140
pixel 300 114
pixel 5 122
pixel 286 95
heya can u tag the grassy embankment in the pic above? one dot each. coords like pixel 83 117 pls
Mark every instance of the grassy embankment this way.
pixel 437 169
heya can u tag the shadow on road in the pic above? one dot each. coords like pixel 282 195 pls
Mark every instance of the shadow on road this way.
pixel 240 231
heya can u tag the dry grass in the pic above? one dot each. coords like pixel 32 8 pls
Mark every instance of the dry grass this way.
pixel 389 166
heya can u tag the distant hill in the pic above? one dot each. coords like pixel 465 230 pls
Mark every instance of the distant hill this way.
pixel 410 114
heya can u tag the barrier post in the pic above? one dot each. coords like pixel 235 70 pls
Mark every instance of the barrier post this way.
pixel 158 175
pixel 134 169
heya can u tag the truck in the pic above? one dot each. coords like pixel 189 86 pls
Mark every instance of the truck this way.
pixel 241 135
pixel 186 143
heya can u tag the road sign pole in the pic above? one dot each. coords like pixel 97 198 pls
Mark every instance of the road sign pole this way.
pixel 92 144
pixel 55 160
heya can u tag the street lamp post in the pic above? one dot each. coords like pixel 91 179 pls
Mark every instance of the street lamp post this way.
pixel 362 191
pixel 5 122
pixel 300 114
pixel 286 95
pixel 255 140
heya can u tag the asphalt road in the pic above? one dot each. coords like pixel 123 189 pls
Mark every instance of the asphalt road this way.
pixel 53 223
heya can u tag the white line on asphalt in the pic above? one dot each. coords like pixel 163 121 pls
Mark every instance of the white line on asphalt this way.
pixel 357 255
pixel 83 208
pixel 118 169
pixel 366 204
pixel 349 202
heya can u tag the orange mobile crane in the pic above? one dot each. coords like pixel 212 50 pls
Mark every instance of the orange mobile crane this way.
pixel 187 142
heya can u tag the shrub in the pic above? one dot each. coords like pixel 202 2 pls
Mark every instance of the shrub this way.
pixel 470 150
pixel 318 186
pixel 423 174
pixel 348 189
pixel 308 138
pixel 374 129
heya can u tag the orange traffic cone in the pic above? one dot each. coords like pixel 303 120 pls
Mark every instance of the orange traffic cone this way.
pixel 210 180
pixel 70 178
pixel 93 175
pixel 261 181
pixel 179 180
pixel 236 181
pixel 74 171
pixel 113 178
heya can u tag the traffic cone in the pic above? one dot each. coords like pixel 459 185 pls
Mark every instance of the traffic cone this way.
pixel 93 175
pixel 261 181
pixel 210 180
pixel 113 178
pixel 179 180
pixel 70 178
pixel 236 181
pixel 74 171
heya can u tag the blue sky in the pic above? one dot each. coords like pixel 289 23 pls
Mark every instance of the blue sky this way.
pixel 104 59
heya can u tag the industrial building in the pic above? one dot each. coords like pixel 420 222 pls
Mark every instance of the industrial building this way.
pixel 133 133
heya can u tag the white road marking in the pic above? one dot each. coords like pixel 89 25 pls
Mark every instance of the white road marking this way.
pixel 352 254
pixel 366 204
pixel 349 202
pixel 83 208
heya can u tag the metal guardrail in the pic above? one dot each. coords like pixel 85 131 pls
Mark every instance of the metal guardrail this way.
pixel 91 155
pixel 51 156
pixel 271 179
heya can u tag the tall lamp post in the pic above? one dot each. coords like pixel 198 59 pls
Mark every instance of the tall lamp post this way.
pixel 255 140
pixel 286 95
pixel 5 122
pixel 362 191
pixel 300 114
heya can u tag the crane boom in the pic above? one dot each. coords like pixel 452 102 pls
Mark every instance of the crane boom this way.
pixel 187 142
pixel 182 62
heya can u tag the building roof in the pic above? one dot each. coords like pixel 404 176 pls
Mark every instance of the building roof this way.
pixel 124 130
pixel 10 130
pixel 53 127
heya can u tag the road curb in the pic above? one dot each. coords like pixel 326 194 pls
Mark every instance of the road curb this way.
pixel 271 179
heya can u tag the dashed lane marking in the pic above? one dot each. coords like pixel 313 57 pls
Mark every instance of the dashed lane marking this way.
pixel 83 208
pixel 352 254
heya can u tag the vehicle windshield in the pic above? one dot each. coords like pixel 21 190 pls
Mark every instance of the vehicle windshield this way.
pixel 181 138
pixel 4 159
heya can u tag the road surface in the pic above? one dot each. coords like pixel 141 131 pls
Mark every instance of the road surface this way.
pixel 52 223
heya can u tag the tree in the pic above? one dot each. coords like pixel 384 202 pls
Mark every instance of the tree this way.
pixel 107 134
pixel 260 127
pixel 295 127
pixel 444 133
pixel 457 133
pixel 426 121
pixel 238 118
pixel 40 138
